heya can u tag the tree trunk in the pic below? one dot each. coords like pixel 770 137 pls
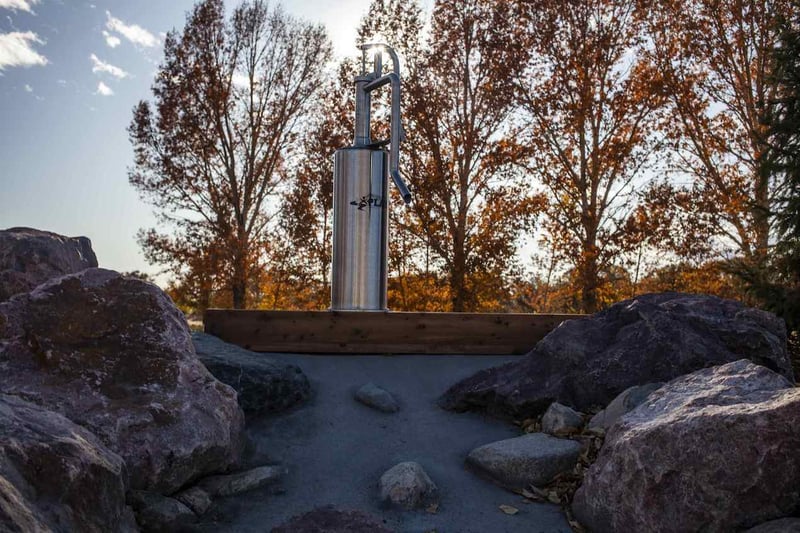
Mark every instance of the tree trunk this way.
pixel 590 280
pixel 238 291
pixel 761 210
pixel 239 281
pixel 458 292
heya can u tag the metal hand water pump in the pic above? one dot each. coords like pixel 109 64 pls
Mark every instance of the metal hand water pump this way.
pixel 361 195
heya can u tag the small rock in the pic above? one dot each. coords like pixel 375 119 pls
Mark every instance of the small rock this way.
pixel 782 525
pixel 195 499
pixel 533 459
pixel 373 396
pixel 561 420
pixel 407 485
pixel 331 520
pixel 231 484
pixel 158 513
pixel 625 402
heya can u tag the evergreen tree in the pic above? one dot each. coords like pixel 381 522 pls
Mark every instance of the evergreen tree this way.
pixel 779 285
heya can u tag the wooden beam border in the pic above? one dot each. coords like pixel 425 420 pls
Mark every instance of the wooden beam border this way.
pixel 354 332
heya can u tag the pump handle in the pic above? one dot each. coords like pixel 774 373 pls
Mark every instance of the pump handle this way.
pixel 397 133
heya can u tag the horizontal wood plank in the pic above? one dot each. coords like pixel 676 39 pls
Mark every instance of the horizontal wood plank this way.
pixel 356 332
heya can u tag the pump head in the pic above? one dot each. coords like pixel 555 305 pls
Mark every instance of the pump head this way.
pixel 365 83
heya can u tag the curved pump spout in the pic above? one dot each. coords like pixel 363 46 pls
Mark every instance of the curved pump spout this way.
pixel 365 84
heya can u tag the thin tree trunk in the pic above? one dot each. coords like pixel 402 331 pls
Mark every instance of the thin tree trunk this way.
pixel 590 280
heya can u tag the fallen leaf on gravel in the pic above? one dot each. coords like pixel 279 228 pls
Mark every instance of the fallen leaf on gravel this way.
pixel 508 509
pixel 432 508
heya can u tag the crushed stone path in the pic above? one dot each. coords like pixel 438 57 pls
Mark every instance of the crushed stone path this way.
pixel 335 449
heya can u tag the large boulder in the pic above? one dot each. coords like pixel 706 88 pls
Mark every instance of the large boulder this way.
pixel 263 384
pixel 716 450
pixel 115 356
pixel 586 362
pixel 29 257
pixel 56 476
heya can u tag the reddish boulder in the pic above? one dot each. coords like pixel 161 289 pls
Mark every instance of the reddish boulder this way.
pixel 56 476
pixel 114 355
pixel 29 257
pixel 716 450
pixel 586 362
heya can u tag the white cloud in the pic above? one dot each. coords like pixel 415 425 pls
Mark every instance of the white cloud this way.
pixel 99 65
pixel 28 88
pixel 18 5
pixel 111 40
pixel 132 32
pixel 104 90
pixel 16 50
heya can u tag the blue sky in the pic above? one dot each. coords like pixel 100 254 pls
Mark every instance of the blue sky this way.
pixel 70 73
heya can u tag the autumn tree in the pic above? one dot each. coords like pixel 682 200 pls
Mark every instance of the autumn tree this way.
pixel 716 61
pixel 470 203
pixel 211 149
pixel 591 101
pixel 303 256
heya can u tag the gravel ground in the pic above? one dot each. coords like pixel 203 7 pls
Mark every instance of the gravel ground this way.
pixel 336 449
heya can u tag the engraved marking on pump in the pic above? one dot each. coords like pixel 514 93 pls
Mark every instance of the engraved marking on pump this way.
pixel 368 201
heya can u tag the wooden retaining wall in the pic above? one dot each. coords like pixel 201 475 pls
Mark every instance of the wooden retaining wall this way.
pixel 351 332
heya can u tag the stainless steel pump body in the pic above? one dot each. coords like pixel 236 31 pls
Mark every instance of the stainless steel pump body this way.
pixel 360 227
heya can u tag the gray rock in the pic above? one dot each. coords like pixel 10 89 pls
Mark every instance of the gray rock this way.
pixel 195 499
pixel 229 485
pixel 587 362
pixel 782 525
pixel 561 420
pixel 714 451
pixel 533 459
pixel 331 520
pixel 56 476
pixel 373 396
pixel 408 486
pixel 263 385
pixel 29 257
pixel 156 513
pixel 114 355
pixel 624 403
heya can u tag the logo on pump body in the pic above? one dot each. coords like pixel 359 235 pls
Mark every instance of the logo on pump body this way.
pixel 369 201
